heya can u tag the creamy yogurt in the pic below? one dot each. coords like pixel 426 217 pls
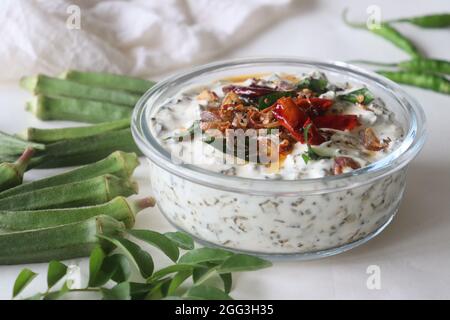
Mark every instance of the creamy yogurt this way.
pixel 280 224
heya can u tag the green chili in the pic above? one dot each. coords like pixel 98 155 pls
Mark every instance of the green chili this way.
pixel 118 163
pixel 417 64
pixel 428 21
pixel 269 99
pixel 119 208
pixel 54 135
pixel 363 96
pixel 423 80
pixel 11 174
pixel 93 191
pixel 51 108
pixel 57 243
pixel 389 33
pixel 49 86
pixel 108 80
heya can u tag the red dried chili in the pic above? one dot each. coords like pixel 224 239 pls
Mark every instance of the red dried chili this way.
pixel 337 122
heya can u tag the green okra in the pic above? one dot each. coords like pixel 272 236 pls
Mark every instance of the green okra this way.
pixel 11 174
pixel 58 243
pixel 119 208
pixel 118 163
pixel 108 80
pixel 86 150
pixel 10 146
pixel 54 135
pixel 93 191
pixel 49 86
pixel 69 109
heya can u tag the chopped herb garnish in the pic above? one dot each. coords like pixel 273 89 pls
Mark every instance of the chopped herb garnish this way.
pixel 317 85
pixel 269 99
pixel 362 96
pixel 310 154
pixel 188 133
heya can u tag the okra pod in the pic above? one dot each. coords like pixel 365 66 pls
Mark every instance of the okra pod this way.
pixel 68 109
pixel 93 191
pixel 12 146
pixel 57 243
pixel 54 135
pixel 119 208
pixel 86 150
pixel 108 80
pixel 50 86
pixel 118 163
pixel 11 174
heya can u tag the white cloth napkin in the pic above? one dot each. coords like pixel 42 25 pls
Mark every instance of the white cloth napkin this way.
pixel 139 37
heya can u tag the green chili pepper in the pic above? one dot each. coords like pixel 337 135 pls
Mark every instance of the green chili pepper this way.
pixel 387 32
pixel 57 243
pixel 269 99
pixel 54 135
pixel 108 80
pixel 363 96
pixel 119 208
pixel 118 163
pixel 418 79
pixel 417 64
pixel 51 108
pixel 11 174
pixel 317 85
pixel 428 21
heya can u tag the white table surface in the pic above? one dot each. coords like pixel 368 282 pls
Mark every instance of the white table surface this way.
pixel 413 253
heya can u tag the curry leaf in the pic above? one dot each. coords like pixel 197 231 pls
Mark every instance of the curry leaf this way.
pixel 120 291
pixel 158 240
pixel 138 257
pixel 200 255
pixel 23 279
pixel 203 292
pixel 56 271
pixel 243 262
pixel 181 239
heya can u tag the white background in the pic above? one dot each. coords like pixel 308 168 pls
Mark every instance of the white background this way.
pixel 413 252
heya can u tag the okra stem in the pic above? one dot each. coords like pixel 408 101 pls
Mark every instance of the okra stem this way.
pixel 93 191
pixel 11 174
pixel 108 80
pixel 68 109
pixel 54 135
pixel 49 86
pixel 119 208
pixel 118 163
pixel 57 243
pixel 86 150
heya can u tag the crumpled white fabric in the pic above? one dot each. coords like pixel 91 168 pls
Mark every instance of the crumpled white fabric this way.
pixel 138 37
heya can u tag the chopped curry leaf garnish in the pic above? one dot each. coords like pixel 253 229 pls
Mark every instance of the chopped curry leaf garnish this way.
pixel 317 85
pixel 310 154
pixel 269 99
pixel 361 96
pixel 188 133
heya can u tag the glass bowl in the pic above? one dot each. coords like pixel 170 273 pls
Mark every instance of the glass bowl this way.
pixel 300 219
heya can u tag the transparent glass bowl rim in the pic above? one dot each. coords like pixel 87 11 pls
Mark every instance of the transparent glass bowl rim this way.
pixel 408 149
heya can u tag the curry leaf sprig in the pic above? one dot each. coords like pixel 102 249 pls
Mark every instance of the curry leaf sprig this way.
pixel 110 272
